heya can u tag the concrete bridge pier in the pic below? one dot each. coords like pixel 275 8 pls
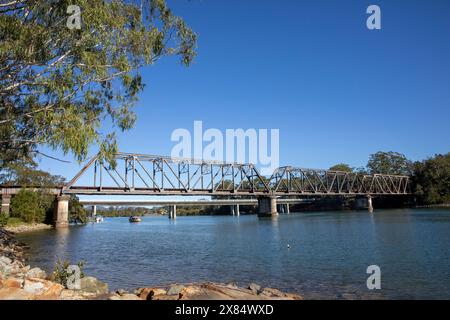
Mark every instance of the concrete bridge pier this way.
pixel 234 209
pixel 94 211
pixel 267 206
pixel 173 212
pixel 6 200
pixel 369 204
pixel 61 213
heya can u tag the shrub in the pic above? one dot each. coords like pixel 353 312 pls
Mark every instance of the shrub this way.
pixel 13 221
pixel 77 212
pixel 27 206
pixel 3 219
pixel 61 273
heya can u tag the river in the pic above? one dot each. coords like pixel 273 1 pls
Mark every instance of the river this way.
pixel 319 255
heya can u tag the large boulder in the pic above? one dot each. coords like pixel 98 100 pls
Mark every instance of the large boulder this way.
pixel 149 293
pixel 256 288
pixel 52 293
pixel 36 273
pixel 15 294
pixel 67 294
pixel 175 289
pixel 12 283
pixel 126 296
pixel 277 294
pixel 93 285
pixel 37 286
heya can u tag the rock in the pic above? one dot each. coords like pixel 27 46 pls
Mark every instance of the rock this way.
pixel 14 294
pixel 5 260
pixel 121 292
pixel 232 285
pixel 255 288
pixel 272 292
pixel 93 285
pixel 275 293
pixel 36 273
pixel 36 286
pixel 212 291
pixel 126 296
pixel 175 289
pixel 13 283
pixel 67 294
pixel 52 293
pixel 149 293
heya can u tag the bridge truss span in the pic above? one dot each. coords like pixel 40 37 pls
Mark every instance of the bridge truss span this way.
pixel 140 174
pixel 158 175
pixel 328 182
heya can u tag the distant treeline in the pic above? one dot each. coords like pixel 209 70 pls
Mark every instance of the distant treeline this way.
pixel 181 211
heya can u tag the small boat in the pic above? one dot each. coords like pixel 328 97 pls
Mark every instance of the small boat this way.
pixel 98 219
pixel 135 219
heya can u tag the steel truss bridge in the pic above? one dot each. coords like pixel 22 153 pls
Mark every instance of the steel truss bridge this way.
pixel 140 174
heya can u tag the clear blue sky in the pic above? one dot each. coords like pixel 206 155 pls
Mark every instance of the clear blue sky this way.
pixel 336 90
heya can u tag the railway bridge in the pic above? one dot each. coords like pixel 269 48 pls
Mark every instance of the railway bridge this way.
pixel 152 175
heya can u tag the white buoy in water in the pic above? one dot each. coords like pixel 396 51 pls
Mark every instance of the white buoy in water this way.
pixel 289 246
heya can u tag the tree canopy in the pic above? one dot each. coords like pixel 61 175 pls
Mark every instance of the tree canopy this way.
pixel 389 163
pixel 69 88
pixel 341 167
pixel 28 175
pixel 431 180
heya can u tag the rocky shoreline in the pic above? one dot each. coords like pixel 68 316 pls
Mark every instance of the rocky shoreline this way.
pixel 19 281
pixel 21 228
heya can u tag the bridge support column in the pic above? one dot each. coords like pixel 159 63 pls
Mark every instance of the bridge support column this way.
pixel 287 208
pixel 369 204
pixel 94 211
pixel 173 212
pixel 237 210
pixel 61 214
pixel 267 206
pixel 6 199
pixel 232 210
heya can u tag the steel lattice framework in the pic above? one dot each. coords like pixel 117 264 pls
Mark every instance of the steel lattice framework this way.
pixel 313 181
pixel 148 174
pixel 140 174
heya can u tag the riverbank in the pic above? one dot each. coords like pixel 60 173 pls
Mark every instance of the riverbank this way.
pixel 19 281
pixel 27 227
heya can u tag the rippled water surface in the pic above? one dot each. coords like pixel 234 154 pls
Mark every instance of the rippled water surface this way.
pixel 328 255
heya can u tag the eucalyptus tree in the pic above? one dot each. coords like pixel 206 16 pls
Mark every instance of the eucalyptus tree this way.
pixel 70 86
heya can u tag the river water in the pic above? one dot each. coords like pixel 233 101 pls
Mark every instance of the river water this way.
pixel 319 255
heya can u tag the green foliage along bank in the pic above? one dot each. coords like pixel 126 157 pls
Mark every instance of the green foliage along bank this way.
pixel 431 180
pixel 38 207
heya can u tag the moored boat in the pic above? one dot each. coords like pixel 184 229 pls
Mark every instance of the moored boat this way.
pixel 135 219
